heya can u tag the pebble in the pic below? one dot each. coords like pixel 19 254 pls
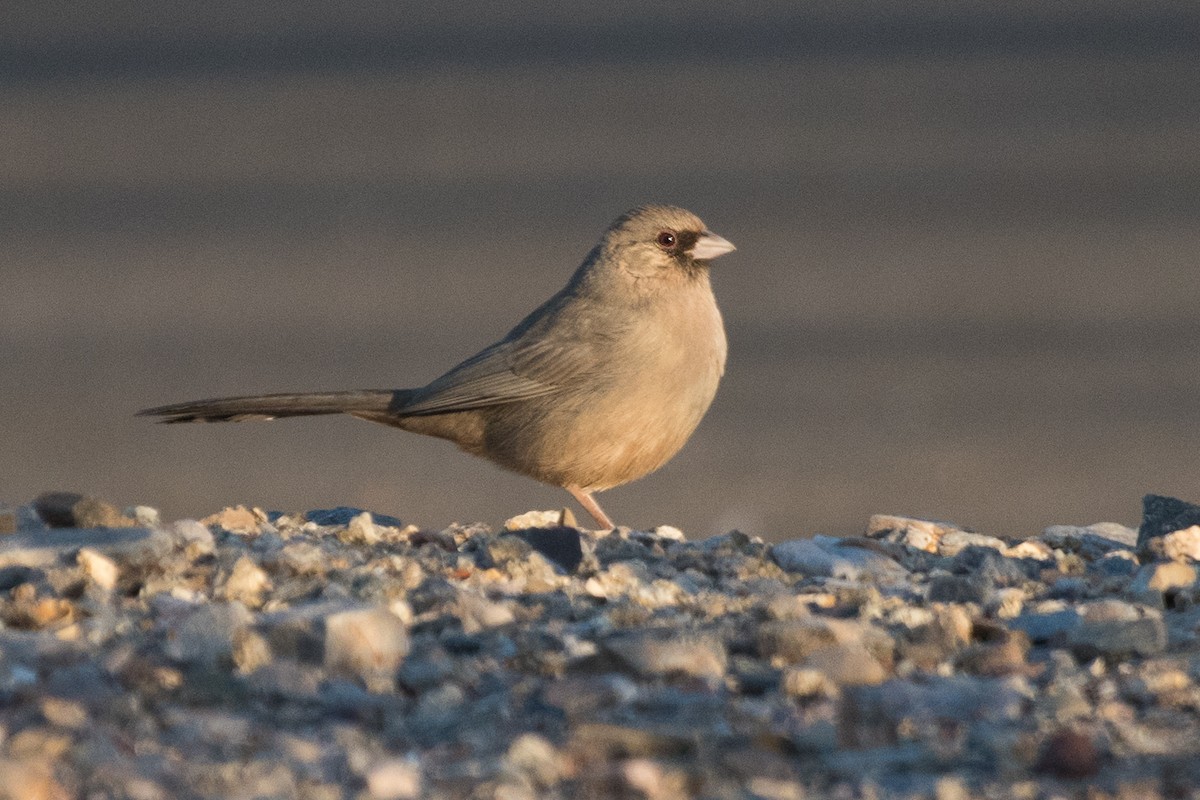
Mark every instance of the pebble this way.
pixel 247 583
pixel 335 653
pixel 99 568
pixel 1154 580
pixel 73 510
pixel 368 643
pixel 561 545
pixel 1180 545
pixel 1116 629
pixel 665 653
pixel 837 558
pixel 394 779
pixel 1163 515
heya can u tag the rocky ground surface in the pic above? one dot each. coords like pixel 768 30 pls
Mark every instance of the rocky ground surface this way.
pixel 333 655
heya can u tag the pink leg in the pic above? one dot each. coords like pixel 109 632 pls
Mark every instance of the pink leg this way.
pixel 591 506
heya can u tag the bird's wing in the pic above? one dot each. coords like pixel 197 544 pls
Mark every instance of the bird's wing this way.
pixel 503 373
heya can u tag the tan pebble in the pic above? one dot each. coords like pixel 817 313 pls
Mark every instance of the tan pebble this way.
pixel 39 743
pixel 807 682
pixel 537 758
pixel 477 613
pixel 1172 575
pixel 99 568
pixel 655 780
pixel 365 642
pixel 1183 544
pixel 196 538
pixel 537 519
pixel 237 520
pixel 247 583
pixel 250 651
pixel 168 677
pixel 920 534
pixel 1009 602
pixel 69 633
pixel 1030 548
pixel 775 788
pixel 29 780
pixel 950 788
pixel 64 713
pixel 955 621
pixel 394 779
pixel 361 530
pixel 848 665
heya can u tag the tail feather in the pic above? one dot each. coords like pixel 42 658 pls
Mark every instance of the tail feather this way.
pixel 270 406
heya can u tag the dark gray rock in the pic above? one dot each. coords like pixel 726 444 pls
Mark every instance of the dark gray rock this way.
pixel 1162 515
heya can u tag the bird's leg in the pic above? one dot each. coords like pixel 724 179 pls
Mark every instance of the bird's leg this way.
pixel 591 506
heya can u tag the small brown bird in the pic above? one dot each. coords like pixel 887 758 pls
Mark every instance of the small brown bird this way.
pixel 600 385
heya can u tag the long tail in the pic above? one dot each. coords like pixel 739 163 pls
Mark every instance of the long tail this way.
pixel 270 406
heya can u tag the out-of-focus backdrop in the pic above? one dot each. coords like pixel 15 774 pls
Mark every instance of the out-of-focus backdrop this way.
pixel 966 281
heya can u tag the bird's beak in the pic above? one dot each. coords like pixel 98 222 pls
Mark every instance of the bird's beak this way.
pixel 709 245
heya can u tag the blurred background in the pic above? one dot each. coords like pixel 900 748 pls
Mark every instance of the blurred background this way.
pixel 965 286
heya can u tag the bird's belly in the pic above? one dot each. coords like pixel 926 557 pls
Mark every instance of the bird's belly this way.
pixel 600 439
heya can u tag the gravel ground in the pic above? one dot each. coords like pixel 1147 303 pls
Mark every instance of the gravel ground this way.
pixel 333 654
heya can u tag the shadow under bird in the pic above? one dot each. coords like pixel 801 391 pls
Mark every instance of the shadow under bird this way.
pixel 600 385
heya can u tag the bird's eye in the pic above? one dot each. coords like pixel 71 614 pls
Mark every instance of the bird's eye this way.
pixel 666 240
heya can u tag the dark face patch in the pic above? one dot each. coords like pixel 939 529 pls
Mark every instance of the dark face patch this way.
pixel 681 253
pixel 687 240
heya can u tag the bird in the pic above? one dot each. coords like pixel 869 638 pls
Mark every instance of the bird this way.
pixel 599 386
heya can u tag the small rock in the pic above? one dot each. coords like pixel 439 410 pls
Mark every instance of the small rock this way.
pixel 605 740
pixel 1053 627
pixel 1153 580
pixel 29 779
pixel 1000 652
pixel 208 635
pixel 1163 515
pixel 1116 629
pixel 100 569
pixel 145 516
pixel 1092 541
pixel 849 664
pixel 807 682
pixel 670 533
pixel 959 589
pixel 238 519
pixel 369 643
pixel 536 759
pixel 194 537
pixel 361 530
pixel 246 583
pixel 250 651
pixel 562 546
pixel 64 713
pixel 922 534
pixel 1117 564
pixel 954 542
pixel 394 779
pixel 793 640
pixel 73 510
pixel 652 653
pixel 1180 545
pixel 1123 535
pixel 537 519
pixel 342 515
pixel 1069 754
pixel 478 613
pixel 823 555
